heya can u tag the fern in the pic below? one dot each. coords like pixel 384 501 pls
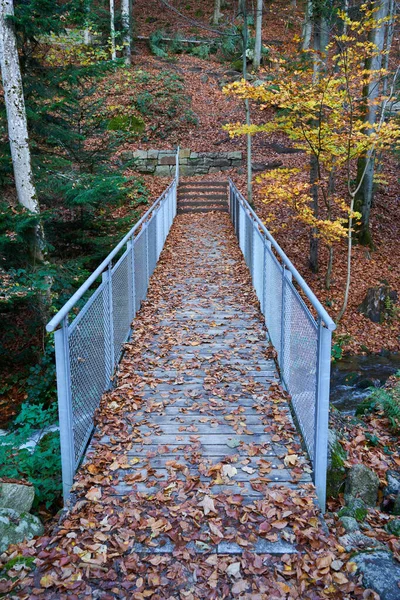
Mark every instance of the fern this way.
pixel 387 400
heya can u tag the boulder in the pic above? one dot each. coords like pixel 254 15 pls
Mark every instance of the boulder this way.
pixel 356 508
pixel 393 483
pixel 378 303
pixel 17 496
pixel 350 524
pixel 393 527
pixel 362 483
pixel 396 505
pixel 16 527
pixel 356 540
pixel 380 572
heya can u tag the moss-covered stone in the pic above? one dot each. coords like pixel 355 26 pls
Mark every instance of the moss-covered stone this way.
pixel 128 123
pixel 336 469
pixel 15 527
pixel 393 527
pixel 356 508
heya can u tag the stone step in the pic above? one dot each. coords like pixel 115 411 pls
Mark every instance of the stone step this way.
pixel 205 201
pixel 201 183
pixel 195 195
pixel 202 210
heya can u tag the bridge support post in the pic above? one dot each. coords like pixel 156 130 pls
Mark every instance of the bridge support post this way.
pixel 320 458
pixel 66 420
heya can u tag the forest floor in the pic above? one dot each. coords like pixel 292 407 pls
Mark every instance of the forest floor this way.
pixel 203 81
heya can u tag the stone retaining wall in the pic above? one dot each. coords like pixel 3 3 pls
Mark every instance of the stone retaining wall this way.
pixel 162 162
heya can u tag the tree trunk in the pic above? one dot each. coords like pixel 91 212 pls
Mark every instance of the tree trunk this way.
pixel 217 12
pixel 112 30
pixel 307 26
pixel 366 163
pixel 17 124
pixel 126 27
pixel 247 105
pixel 314 241
pixel 388 43
pixel 258 41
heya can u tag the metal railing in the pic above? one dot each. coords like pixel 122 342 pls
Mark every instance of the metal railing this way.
pixel 89 347
pixel 302 342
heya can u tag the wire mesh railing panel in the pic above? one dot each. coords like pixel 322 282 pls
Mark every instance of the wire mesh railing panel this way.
pixel 273 299
pixel 89 348
pixel 248 252
pixel 121 303
pixel 299 361
pixel 242 228
pixel 302 345
pixel 140 251
pixel 160 232
pixel 89 358
pixel 258 266
pixel 152 240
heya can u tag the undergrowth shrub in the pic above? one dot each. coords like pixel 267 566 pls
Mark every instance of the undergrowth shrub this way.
pixel 385 400
pixel 31 452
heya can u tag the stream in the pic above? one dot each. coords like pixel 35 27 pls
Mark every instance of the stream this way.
pixel 352 376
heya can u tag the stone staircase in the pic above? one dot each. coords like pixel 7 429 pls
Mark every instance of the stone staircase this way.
pixel 202 196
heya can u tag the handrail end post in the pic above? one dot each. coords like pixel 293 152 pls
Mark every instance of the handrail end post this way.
pixel 65 408
pixel 320 458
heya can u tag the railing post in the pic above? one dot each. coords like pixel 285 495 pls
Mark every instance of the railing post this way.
pixel 285 329
pixel 65 412
pixel 131 276
pixel 177 166
pixel 146 238
pixel 320 458
pixel 109 319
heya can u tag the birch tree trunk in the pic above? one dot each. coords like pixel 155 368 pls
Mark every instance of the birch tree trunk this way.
pixel 243 7
pixel 112 30
pixel 307 26
pixel 17 124
pixel 366 164
pixel 126 8
pixel 258 41
pixel 217 12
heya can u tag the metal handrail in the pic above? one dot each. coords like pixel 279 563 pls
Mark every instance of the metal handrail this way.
pixel 320 310
pixel 63 312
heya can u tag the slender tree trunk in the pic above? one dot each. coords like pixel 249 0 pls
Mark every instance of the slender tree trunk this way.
pixel 314 241
pixel 247 105
pixel 217 12
pixel 366 163
pixel 17 123
pixel 388 44
pixel 112 30
pixel 258 41
pixel 126 9
pixel 86 33
pixel 307 26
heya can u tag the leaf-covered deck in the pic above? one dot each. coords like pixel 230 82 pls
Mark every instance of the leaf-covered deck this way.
pixel 195 485
pixel 198 395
